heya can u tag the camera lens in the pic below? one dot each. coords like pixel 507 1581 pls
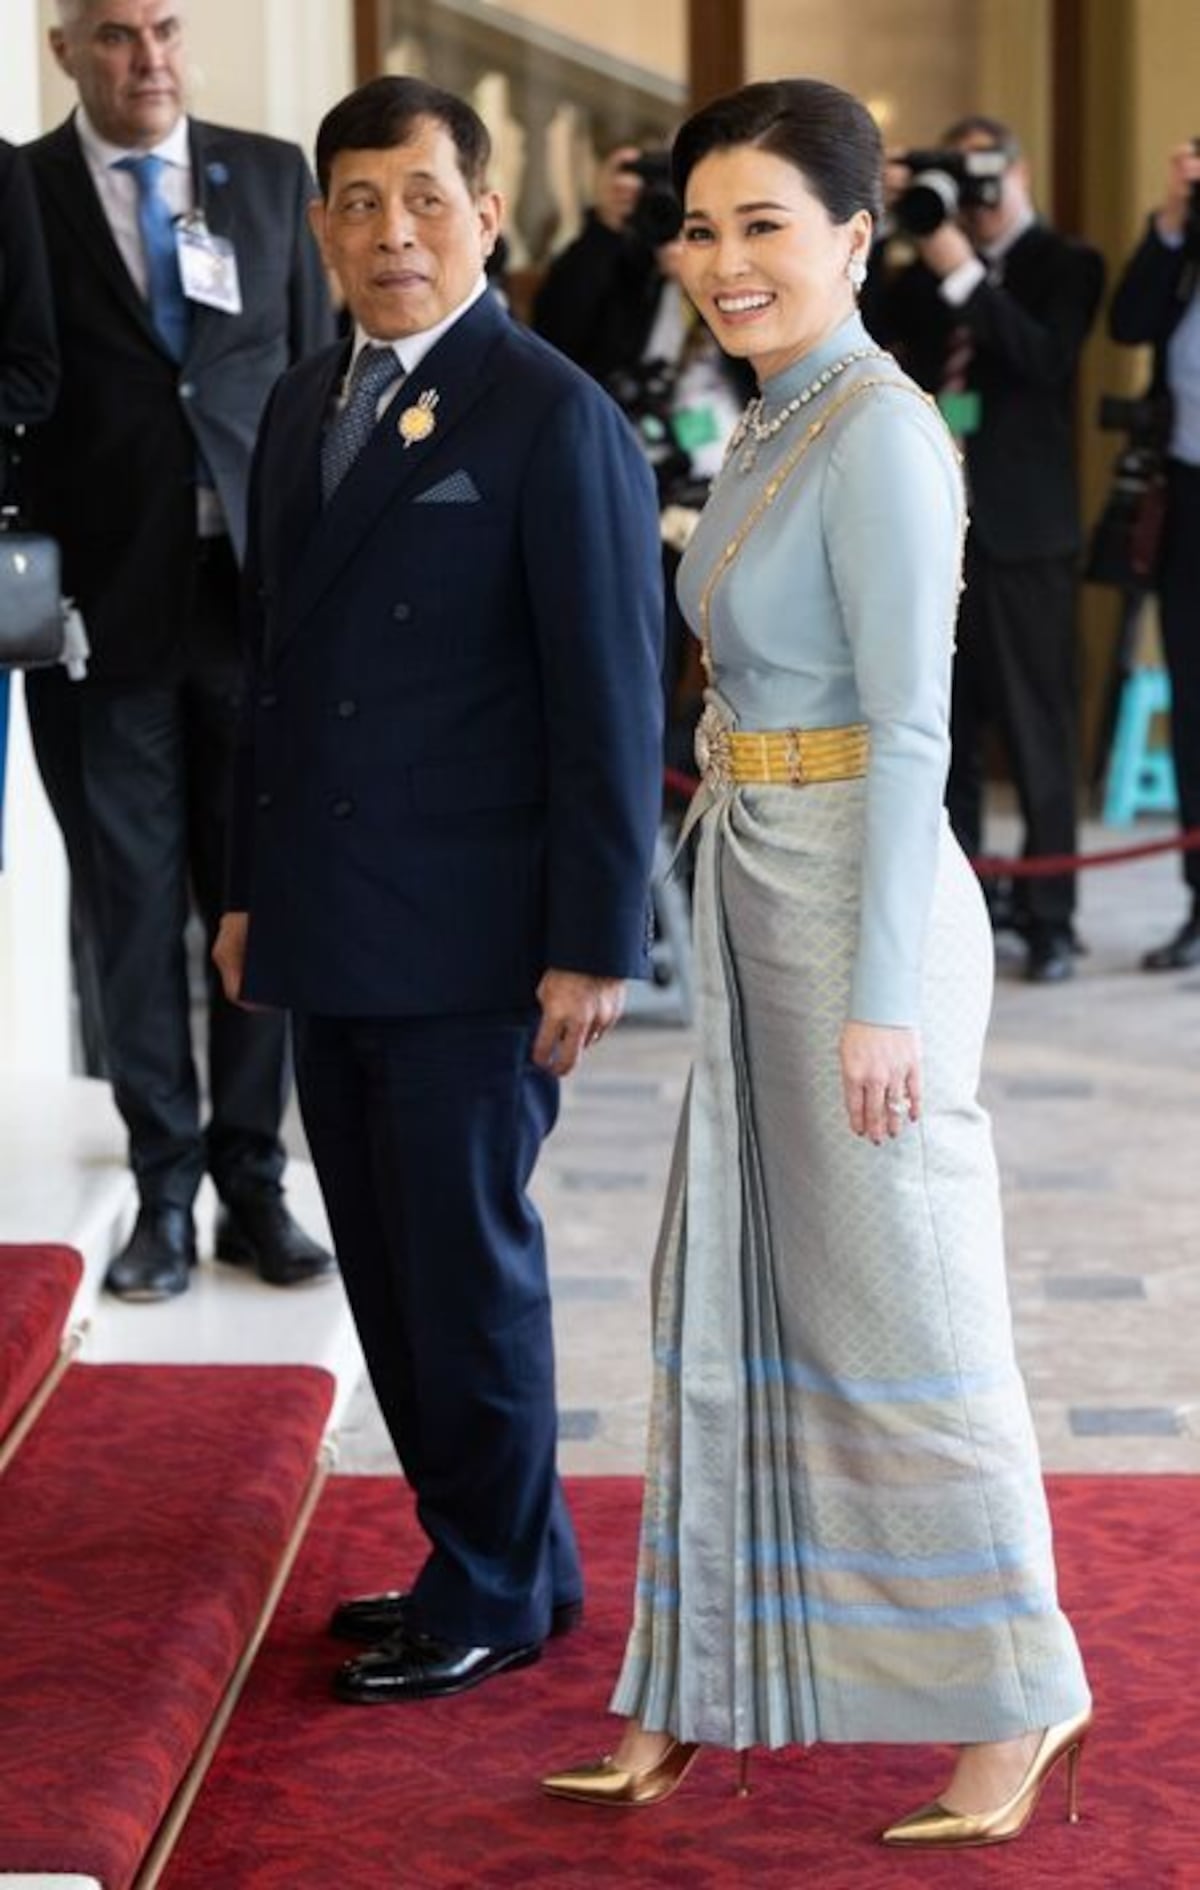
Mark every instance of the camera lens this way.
pixel 930 199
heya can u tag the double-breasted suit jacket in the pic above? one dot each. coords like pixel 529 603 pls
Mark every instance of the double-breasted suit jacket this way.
pixel 451 773
pixel 113 475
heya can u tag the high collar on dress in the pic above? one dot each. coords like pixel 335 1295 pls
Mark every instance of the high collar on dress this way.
pixel 847 338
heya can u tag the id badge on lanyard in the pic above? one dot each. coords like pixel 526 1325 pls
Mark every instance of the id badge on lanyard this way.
pixel 207 266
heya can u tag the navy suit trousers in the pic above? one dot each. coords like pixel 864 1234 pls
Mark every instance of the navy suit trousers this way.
pixel 425 1132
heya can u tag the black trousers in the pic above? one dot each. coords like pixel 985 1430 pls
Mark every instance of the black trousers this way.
pixel 140 778
pixel 1016 670
pixel 425 1131
pixel 1179 612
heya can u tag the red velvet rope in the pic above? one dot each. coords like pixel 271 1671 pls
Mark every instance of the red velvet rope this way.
pixel 992 866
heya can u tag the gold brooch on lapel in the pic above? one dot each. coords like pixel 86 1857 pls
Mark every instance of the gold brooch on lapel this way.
pixel 417 423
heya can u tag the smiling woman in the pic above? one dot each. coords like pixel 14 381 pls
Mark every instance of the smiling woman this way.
pixel 844 1534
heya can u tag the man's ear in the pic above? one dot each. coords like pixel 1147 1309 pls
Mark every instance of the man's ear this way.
pixel 490 205
pixel 60 47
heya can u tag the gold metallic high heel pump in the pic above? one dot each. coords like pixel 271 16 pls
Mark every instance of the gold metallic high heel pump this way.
pixel 936 1824
pixel 610 1784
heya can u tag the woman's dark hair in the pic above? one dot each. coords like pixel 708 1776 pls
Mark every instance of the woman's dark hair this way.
pixel 384 113
pixel 826 133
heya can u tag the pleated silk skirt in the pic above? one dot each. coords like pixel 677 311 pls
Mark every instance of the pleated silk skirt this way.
pixel 844 1535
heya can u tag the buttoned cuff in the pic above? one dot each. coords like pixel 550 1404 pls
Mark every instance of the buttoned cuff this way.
pixel 961 283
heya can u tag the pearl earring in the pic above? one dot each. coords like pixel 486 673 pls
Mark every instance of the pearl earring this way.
pixel 856 273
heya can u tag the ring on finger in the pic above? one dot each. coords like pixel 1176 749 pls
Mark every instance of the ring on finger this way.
pixel 898 1105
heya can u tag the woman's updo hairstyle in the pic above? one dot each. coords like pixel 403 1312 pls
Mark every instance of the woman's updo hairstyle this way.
pixel 826 133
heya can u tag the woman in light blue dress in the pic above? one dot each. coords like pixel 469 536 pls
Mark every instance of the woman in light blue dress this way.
pixel 845 1536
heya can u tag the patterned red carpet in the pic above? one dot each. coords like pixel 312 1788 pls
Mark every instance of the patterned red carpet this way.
pixel 37 1285
pixel 307 1794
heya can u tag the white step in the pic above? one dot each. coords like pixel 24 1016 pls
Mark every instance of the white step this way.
pixel 63 1178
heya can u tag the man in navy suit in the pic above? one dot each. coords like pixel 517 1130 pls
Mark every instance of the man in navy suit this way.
pixel 445 817
pixel 141 474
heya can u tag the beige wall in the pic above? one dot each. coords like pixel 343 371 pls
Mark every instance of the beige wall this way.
pixel 913 61
pixel 1141 95
pixel 649 33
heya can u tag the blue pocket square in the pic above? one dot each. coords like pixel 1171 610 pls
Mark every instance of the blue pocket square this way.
pixel 458 488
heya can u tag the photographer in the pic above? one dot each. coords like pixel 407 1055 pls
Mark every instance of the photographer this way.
pixel 989 309
pixel 1157 302
pixel 611 301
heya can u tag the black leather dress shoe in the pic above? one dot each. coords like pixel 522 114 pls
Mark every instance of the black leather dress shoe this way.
pixel 373 1618
pixel 153 1264
pixel 1180 953
pixel 1051 956
pixel 256 1230
pixel 417 1667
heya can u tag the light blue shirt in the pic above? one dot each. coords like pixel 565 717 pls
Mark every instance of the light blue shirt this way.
pixel 840 608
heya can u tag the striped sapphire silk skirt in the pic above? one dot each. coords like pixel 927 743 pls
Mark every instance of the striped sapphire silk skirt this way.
pixel 844 1534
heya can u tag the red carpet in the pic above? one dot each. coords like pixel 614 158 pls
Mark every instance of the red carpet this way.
pixel 37 1285
pixel 141 1524
pixel 307 1794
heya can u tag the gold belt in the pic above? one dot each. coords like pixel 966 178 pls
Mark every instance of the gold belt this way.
pixel 783 757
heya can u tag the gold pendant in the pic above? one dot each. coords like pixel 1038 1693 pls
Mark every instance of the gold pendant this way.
pixel 417 423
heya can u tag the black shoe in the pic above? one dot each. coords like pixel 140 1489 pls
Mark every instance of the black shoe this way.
pixel 1051 956
pixel 375 1618
pixel 256 1230
pixel 153 1264
pixel 1181 953
pixel 418 1667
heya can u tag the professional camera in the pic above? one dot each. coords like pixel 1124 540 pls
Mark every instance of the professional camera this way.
pixel 658 214
pixel 1127 537
pixel 644 393
pixel 945 182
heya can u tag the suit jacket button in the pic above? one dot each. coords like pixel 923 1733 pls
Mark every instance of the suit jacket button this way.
pixel 187 390
pixel 342 809
pixel 347 708
pixel 266 799
pixel 268 699
pixel 401 612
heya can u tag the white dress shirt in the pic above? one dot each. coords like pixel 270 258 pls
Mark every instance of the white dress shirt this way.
pixel 118 190
pixel 410 350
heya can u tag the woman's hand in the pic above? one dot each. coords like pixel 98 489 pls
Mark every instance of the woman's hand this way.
pixel 881 1079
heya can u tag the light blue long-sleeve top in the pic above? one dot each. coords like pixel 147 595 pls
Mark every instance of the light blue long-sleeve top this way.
pixel 840 608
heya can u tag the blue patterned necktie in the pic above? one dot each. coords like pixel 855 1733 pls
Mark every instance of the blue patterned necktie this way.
pixel 375 370
pixel 164 285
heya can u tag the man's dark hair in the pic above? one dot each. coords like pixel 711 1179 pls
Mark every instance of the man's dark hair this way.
pixel 826 133
pixel 384 113
pixel 993 129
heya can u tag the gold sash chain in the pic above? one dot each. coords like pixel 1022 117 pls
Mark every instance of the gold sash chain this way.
pixel 773 487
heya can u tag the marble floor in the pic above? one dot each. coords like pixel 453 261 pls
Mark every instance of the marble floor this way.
pixel 1094 1088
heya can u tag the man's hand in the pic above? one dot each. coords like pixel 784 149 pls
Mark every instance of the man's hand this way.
pixel 617 190
pixel 576 1012
pixel 945 249
pixel 1183 170
pixel 229 955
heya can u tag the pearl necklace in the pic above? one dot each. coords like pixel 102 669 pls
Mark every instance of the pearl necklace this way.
pixel 752 426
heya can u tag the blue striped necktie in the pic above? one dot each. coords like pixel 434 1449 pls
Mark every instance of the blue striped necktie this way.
pixel 375 370
pixel 164 285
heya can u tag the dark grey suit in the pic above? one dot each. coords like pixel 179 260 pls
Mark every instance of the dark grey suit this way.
pixel 138 760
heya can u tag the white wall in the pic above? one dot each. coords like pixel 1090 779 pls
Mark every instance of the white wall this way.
pixel 267 65
pixel 34 980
